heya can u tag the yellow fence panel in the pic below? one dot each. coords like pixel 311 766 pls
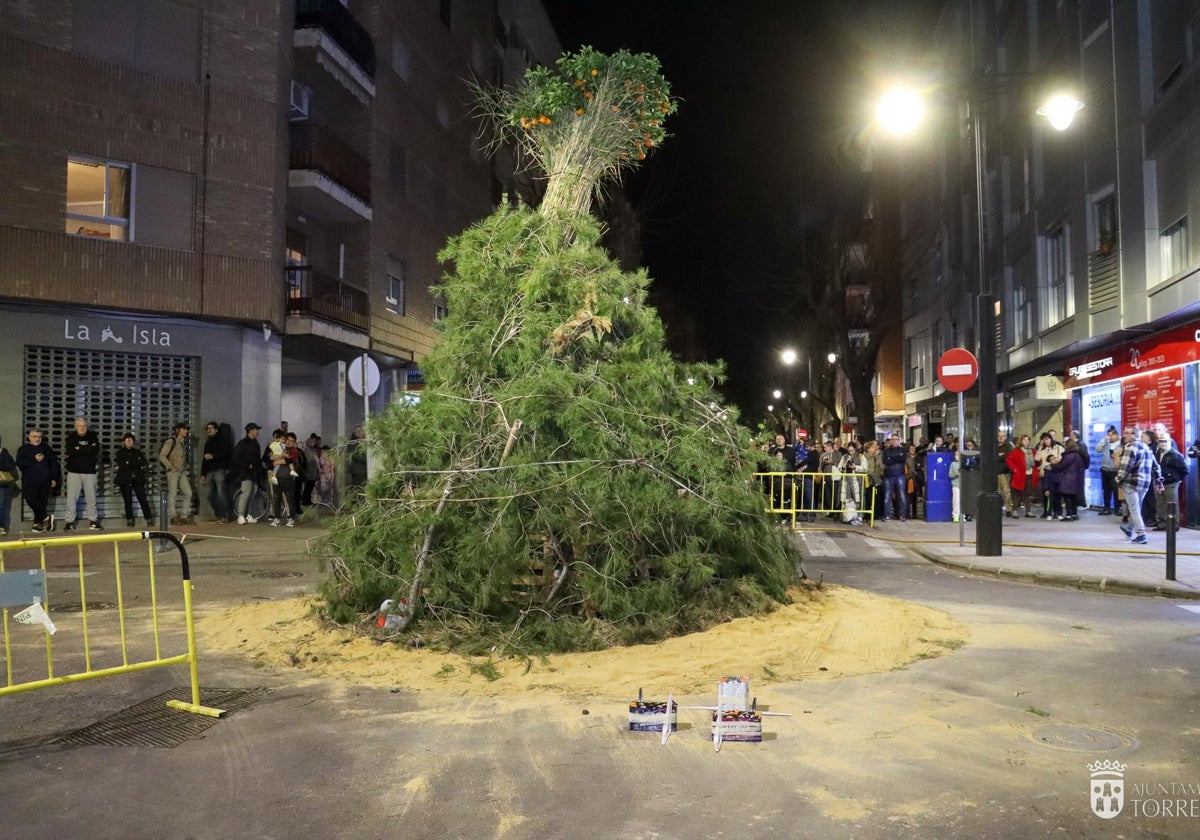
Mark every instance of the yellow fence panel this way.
pixel 120 624
pixel 803 497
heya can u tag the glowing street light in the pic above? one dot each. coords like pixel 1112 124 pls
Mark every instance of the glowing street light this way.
pixel 1060 111
pixel 900 111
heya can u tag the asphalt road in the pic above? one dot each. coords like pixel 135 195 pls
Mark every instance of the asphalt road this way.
pixel 991 740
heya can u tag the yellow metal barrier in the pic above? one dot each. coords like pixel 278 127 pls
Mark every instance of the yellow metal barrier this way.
pixel 31 576
pixel 809 495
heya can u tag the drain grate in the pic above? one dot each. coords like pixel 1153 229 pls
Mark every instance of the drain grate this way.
pixel 93 606
pixel 152 723
pixel 1082 738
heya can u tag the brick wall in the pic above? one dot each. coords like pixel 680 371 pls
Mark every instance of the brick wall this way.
pixel 54 103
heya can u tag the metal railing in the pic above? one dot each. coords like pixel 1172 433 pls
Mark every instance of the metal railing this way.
pixel 805 496
pixel 312 147
pixel 332 17
pixel 94 633
pixel 321 296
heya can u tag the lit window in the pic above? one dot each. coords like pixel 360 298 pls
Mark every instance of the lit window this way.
pixel 1174 248
pixel 98 199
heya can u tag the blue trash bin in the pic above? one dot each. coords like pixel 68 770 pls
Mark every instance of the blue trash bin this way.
pixel 939 504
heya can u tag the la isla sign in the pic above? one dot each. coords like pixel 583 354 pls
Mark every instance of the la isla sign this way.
pixel 137 336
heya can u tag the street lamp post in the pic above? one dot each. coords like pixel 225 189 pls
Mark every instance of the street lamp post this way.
pixel 900 112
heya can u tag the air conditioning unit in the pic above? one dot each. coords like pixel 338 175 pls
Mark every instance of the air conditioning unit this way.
pixel 299 104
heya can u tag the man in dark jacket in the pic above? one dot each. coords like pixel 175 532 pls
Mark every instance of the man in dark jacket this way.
pixel 1174 470
pixel 894 456
pixel 38 464
pixel 214 472
pixel 81 455
pixel 246 464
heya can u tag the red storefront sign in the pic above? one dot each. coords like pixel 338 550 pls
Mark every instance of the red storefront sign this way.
pixel 1175 347
pixel 1156 397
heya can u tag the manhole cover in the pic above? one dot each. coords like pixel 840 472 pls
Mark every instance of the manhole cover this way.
pixel 268 573
pixel 77 607
pixel 152 723
pixel 1082 738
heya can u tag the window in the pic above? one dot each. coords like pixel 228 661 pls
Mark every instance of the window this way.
pixel 98 194
pixel 918 354
pixel 1174 248
pixel 1058 298
pixel 154 36
pixel 401 57
pixel 395 287
pixel 1022 308
pixel 440 311
pixel 1105 211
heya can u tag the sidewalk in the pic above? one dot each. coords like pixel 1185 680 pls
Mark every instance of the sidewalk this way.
pixel 1089 554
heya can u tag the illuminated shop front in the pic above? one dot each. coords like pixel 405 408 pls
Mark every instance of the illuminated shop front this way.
pixel 1142 383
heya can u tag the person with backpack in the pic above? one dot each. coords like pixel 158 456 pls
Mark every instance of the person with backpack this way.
pixel 214 472
pixel 173 455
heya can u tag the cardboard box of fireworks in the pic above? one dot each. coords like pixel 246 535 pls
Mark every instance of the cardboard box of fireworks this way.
pixel 650 715
pixel 735 714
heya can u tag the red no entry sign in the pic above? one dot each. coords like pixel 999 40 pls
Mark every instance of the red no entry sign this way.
pixel 957 370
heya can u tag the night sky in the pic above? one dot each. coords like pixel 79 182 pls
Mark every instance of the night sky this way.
pixel 773 93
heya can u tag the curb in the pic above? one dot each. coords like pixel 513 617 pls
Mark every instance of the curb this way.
pixel 1115 586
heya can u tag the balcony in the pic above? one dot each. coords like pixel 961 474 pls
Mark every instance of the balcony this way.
pixel 315 296
pixel 326 180
pixel 338 43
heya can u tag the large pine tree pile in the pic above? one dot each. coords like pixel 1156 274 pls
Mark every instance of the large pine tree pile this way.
pixel 563 483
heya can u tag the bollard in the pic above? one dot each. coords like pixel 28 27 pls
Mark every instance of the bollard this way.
pixel 1172 518
pixel 161 543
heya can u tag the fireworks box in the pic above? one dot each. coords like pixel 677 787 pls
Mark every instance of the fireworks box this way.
pixel 649 716
pixel 733 693
pixel 738 725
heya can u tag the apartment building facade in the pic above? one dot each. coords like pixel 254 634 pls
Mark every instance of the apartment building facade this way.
pixel 216 206
pixel 1086 243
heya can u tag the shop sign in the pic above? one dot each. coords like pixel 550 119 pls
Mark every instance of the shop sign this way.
pixel 1049 388
pixel 1151 398
pixel 915 420
pixel 1165 350
pixel 137 335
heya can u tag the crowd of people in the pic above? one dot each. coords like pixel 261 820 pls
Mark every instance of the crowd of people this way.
pixel 297 477
pixel 1140 475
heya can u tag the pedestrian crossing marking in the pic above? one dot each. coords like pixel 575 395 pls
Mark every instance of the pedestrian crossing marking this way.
pixel 1189 607
pixel 819 545
pixel 882 548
